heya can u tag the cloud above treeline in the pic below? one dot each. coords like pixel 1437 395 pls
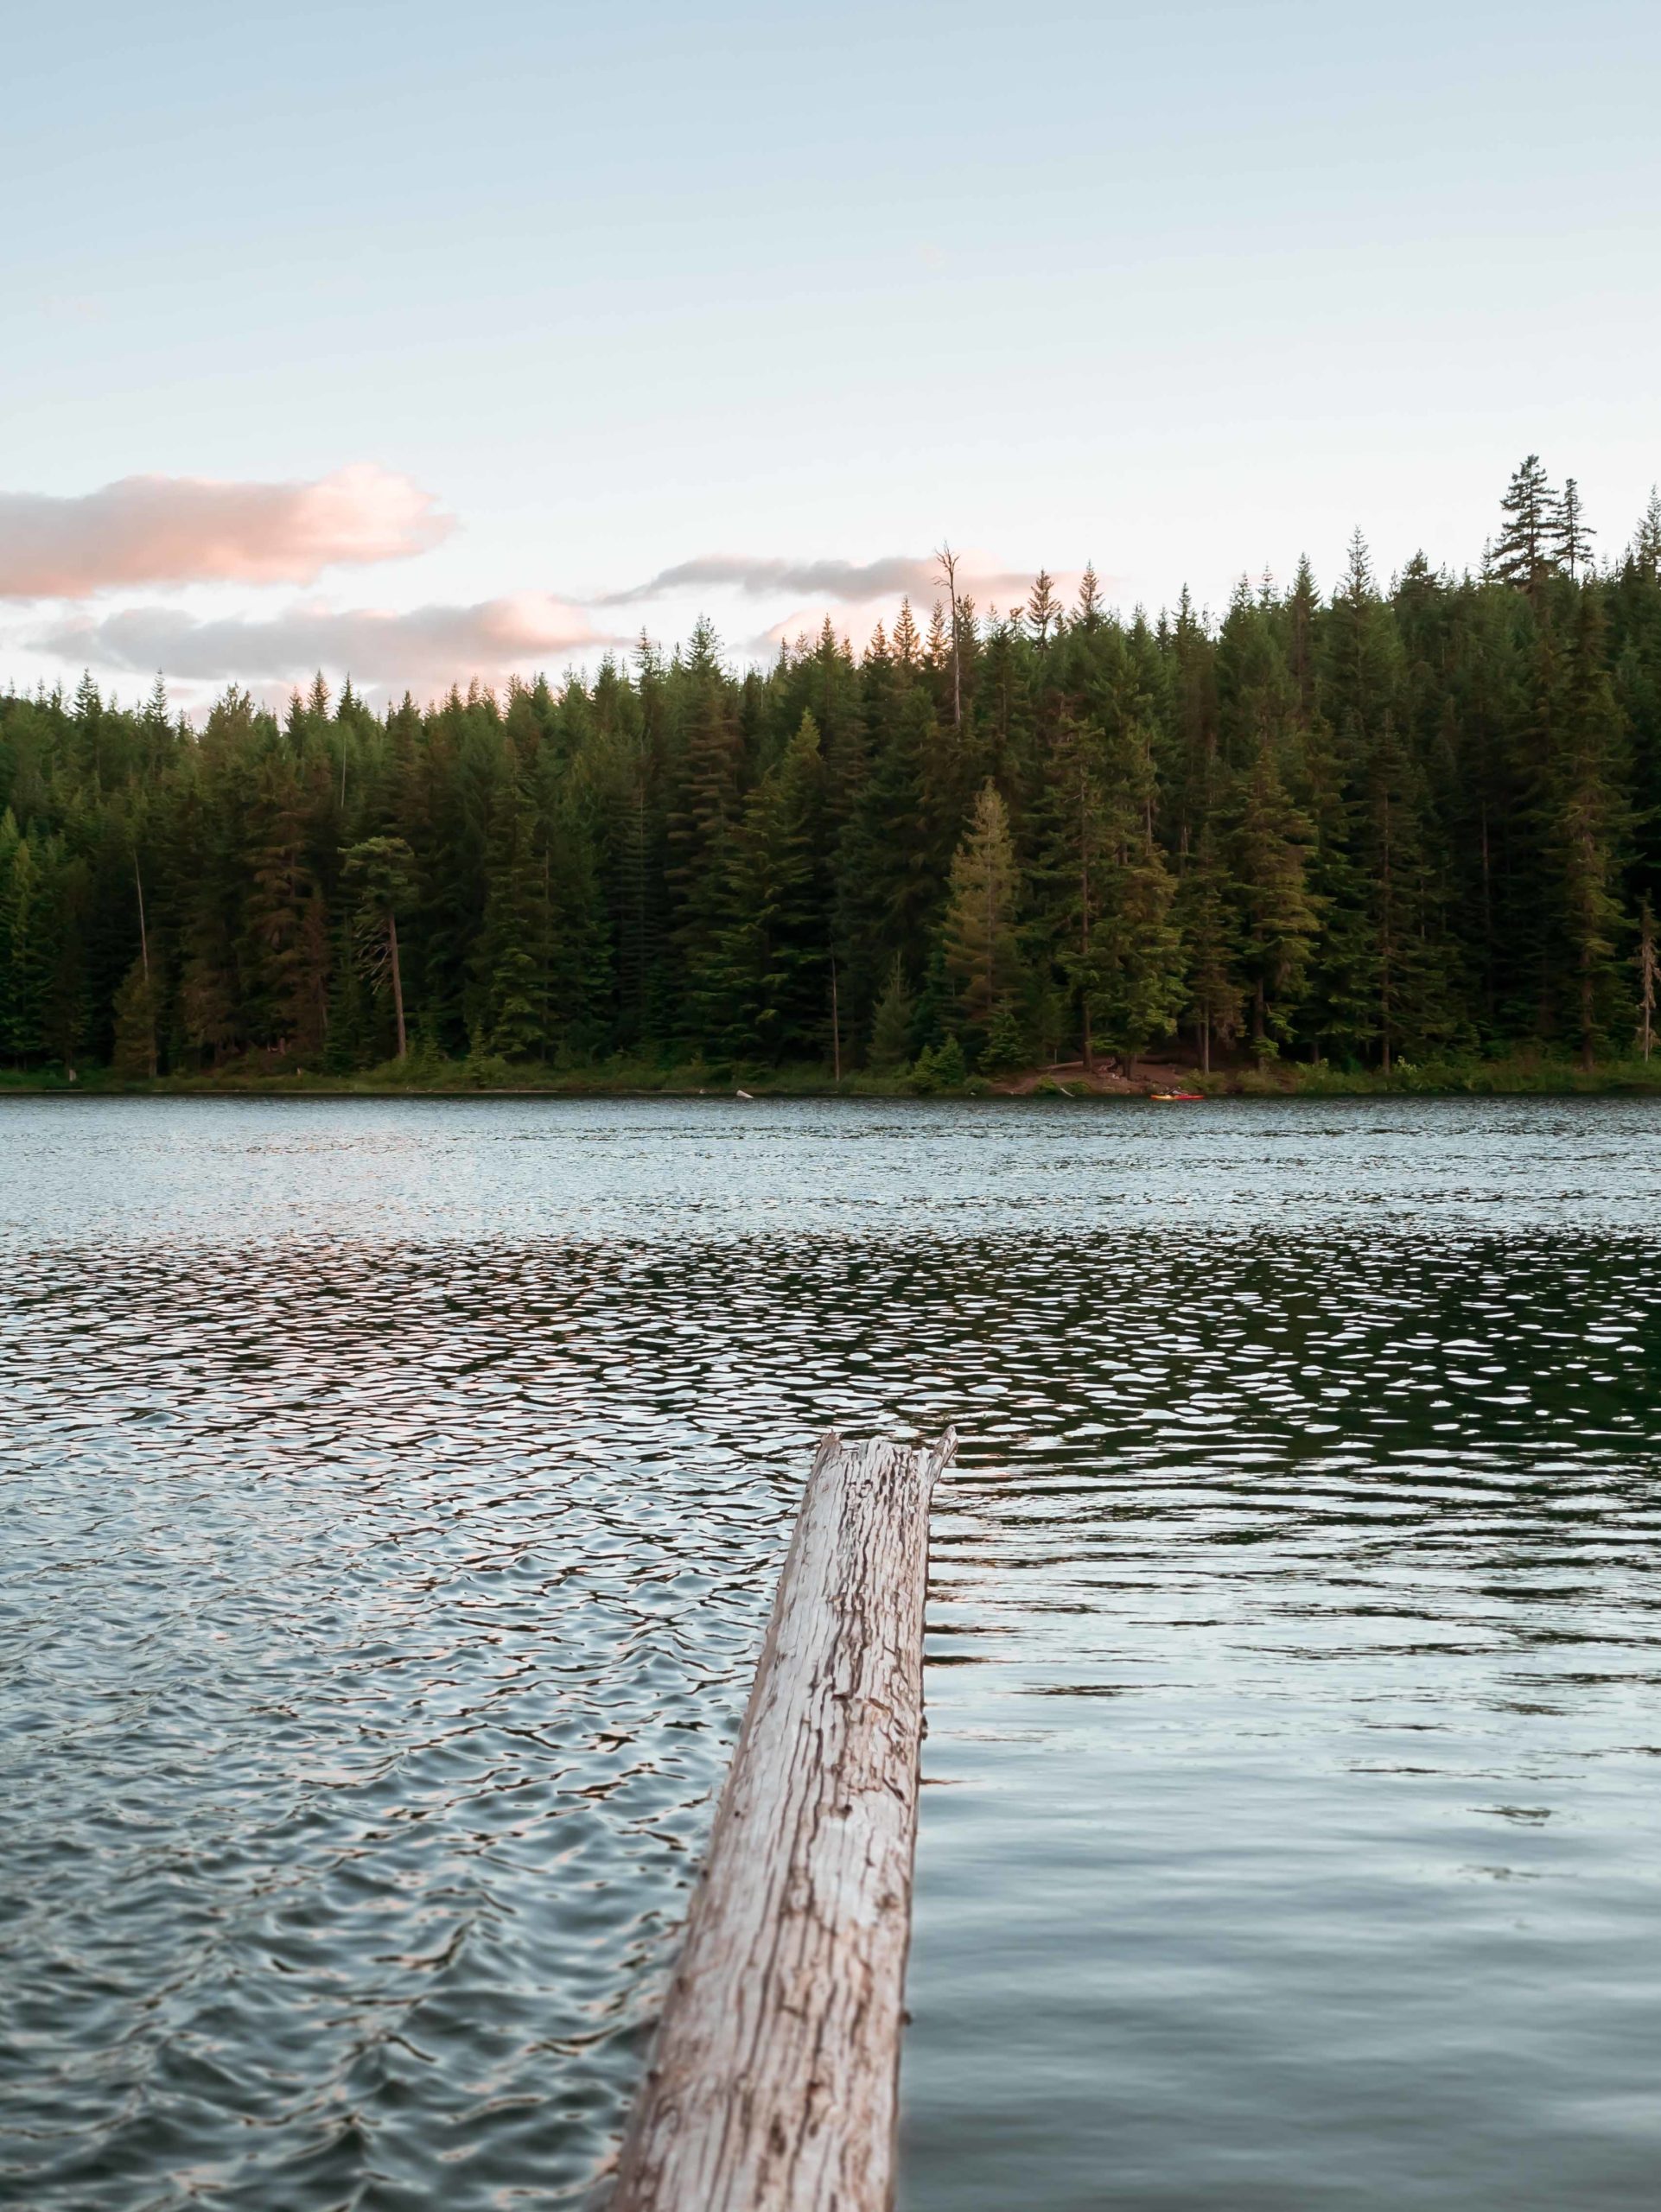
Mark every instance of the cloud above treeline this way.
pixel 148 532
pixel 852 582
pixel 423 646
pixel 145 530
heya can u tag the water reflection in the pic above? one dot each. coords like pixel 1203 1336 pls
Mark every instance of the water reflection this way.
pixel 1303 1771
pixel 388 1502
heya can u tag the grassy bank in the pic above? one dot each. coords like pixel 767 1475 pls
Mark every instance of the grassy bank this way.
pixel 1523 1076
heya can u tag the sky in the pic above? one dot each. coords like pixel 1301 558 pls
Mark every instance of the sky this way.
pixel 421 341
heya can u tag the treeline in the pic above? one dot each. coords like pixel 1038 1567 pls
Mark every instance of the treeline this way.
pixel 1386 824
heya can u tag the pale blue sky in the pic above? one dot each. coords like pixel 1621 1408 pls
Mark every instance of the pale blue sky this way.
pixel 1185 289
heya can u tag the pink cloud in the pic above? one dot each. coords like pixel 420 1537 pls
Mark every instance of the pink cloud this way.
pixel 422 647
pixel 174 529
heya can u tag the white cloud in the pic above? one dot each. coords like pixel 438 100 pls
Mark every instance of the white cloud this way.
pixel 850 582
pixel 424 646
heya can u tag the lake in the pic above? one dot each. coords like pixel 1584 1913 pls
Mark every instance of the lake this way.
pixel 390 1497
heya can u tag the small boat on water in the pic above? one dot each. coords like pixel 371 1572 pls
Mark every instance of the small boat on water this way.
pixel 1175 1097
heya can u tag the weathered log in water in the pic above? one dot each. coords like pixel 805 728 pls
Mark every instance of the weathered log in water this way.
pixel 772 2084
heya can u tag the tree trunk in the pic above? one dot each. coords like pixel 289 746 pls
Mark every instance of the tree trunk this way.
pixel 772 2084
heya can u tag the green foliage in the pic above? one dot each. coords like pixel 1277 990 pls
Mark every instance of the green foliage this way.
pixel 892 1024
pixel 135 1053
pixel 940 1067
pixel 379 874
pixel 1390 830
pixel 978 932
pixel 767 986
pixel 1005 1046
pixel 25 944
pixel 1271 842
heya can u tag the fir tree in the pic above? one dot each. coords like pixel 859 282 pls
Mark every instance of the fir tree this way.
pixel 1646 538
pixel 1269 850
pixel 511 1000
pixel 379 872
pixel 1135 982
pixel 1043 609
pixel 1573 534
pixel 1585 822
pixel 25 952
pixel 1005 1046
pixel 775 950
pixel 1645 959
pixel 135 1053
pixel 1210 940
pixel 979 940
pixel 891 1025
pixel 1525 551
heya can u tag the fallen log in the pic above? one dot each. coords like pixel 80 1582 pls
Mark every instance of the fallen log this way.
pixel 772 2084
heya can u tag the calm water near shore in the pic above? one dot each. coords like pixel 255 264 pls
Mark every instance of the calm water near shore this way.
pixel 390 1501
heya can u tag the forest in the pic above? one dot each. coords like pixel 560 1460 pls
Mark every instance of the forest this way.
pixel 1391 824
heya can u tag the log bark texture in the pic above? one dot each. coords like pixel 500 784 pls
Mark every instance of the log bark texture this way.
pixel 773 2085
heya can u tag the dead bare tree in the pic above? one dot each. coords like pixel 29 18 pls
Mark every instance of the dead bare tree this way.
pixel 946 573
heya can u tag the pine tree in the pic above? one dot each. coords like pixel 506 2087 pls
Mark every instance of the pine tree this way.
pixel 892 859
pixel 1586 824
pixel 1136 984
pixel 1005 1046
pixel 1090 615
pixel 278 887
pixel 1646 539
pixel 770 982
pixel 380 872
pixel 1271 846
pixel 981 949
pixel 1524 554
pixel 1211 947
pixel 1043 608
pixel 891 1025
pixel 1071 833
pixel 1573 535
pixel 511 1004
pixel 207 991
pixel 313 963
pixel 135 1053
pixel 25 951
pixel 66 1010
pixel 703 818
pixel 951 1068
pixel 1648 965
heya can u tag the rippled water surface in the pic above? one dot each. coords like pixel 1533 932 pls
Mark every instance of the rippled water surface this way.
pixel 390 1501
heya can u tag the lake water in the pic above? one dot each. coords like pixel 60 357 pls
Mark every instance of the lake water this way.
pixel 391 1496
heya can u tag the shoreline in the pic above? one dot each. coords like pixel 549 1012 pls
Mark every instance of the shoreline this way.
pixel 1493 1079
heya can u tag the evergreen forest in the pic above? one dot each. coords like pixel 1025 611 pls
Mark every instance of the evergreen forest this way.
pixel 1380 826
